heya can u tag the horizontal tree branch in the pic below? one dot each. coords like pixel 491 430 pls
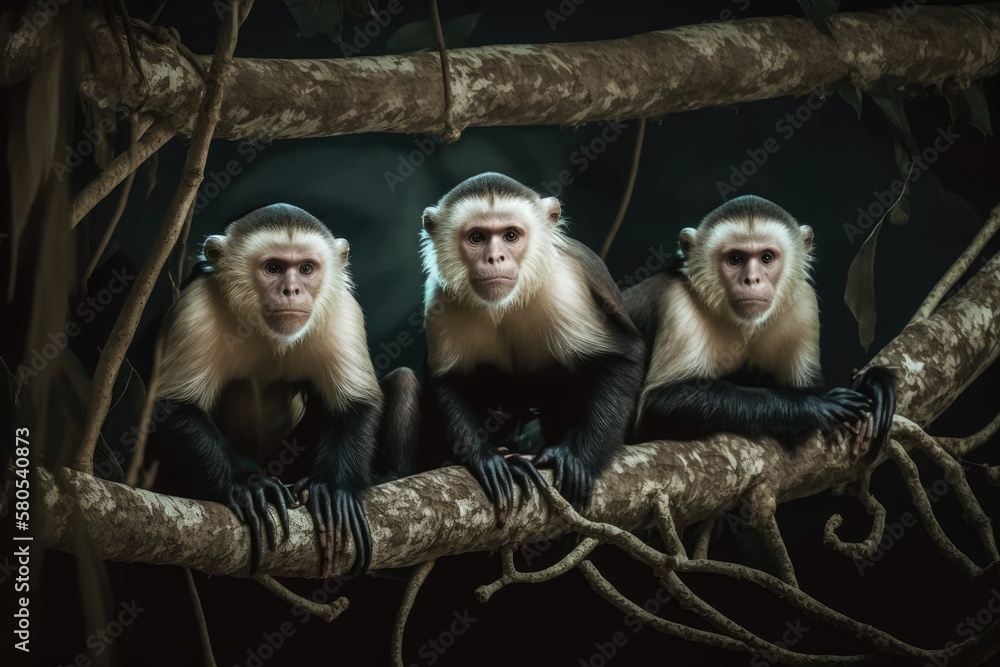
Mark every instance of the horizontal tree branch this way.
pixel 645 76
pixel 444 512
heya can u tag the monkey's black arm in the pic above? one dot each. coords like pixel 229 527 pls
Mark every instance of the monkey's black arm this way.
pixel 341 471
pixel 613 384
pixel 702 406
pixel 193 444
pixel 497 474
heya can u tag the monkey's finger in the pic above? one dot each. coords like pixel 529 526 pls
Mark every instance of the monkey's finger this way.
pixel 543 460
pixel 507 480
pixel 246 504
pixel 522 481
pixel 260 509
pixel 301 487
pixel 343 521
pixel 528 467
pixel 495 495
pixel 362 534
pixel 279 502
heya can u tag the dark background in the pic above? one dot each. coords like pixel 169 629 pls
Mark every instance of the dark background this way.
pixel 831 166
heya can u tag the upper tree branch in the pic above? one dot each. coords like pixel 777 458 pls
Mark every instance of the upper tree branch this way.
pixel 445 512
pixel 644 76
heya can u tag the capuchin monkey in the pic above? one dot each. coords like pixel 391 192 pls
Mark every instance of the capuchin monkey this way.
pixel 733 333
pixel 266 324
pixel 523 322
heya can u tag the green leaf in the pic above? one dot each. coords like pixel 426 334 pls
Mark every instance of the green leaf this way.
pixel 970 105
pixel 859 295
pixel 419 35
pixel 819 12
pixel 900 213
pixel 891 103
pixel 849 92
pixel 328 16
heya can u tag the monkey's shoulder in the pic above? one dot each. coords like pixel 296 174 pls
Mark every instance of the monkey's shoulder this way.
pixel 601 286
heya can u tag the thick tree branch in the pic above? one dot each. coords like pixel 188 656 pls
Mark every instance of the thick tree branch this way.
pixel 644 76
pixel 445 512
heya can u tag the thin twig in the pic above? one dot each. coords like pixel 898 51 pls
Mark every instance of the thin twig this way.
pixel 120 168
pixel 691 602
pixel 451 133
pixel 805 603
pixel 961 446
pixel 191 178
pixel 119 210
pixel 870 544
pixel 606 590
pixel 627 197
pixel 972 511
pixel 145 418
pixel 923 505
pixel 199 615
pixel 762 505
pixel 511 575
pixel 959 268
pixel 182 246
pixel 704 536
pixel 417 578
pixel 326 612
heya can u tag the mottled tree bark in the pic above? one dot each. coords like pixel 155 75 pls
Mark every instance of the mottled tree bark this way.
pixel 445 512
pixel 645 76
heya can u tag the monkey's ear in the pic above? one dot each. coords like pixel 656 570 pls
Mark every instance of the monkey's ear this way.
pixel 341 248
pixel 687 239
pixel 807 237
pixel 428 219
pixel 215 247
pixel 552 208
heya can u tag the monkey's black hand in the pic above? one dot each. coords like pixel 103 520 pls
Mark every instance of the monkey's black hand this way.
pixel 839 405
pixel 878 384
pixel 572 476
pixel 336 511
pixel 247 496
pixel 498 474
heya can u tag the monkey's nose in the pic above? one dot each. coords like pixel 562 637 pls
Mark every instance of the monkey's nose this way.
pixel 497 259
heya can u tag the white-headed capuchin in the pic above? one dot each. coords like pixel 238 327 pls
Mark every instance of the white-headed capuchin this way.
pixel 267 323
pixel 523 322
pixel 733 333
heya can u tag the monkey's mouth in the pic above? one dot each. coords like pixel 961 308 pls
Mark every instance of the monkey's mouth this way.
pixel 287 321
pixel 750 305
pixel 493 288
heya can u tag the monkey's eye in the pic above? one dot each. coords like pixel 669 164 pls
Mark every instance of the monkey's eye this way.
pixel 475 238
pixel 510 236
pixel 766 258
pixel 307 268
pixel 273 268
pixel 734 259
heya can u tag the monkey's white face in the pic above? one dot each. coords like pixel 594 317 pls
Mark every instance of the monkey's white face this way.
pixel 492 247
pixel 287 282
pixel 750 272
